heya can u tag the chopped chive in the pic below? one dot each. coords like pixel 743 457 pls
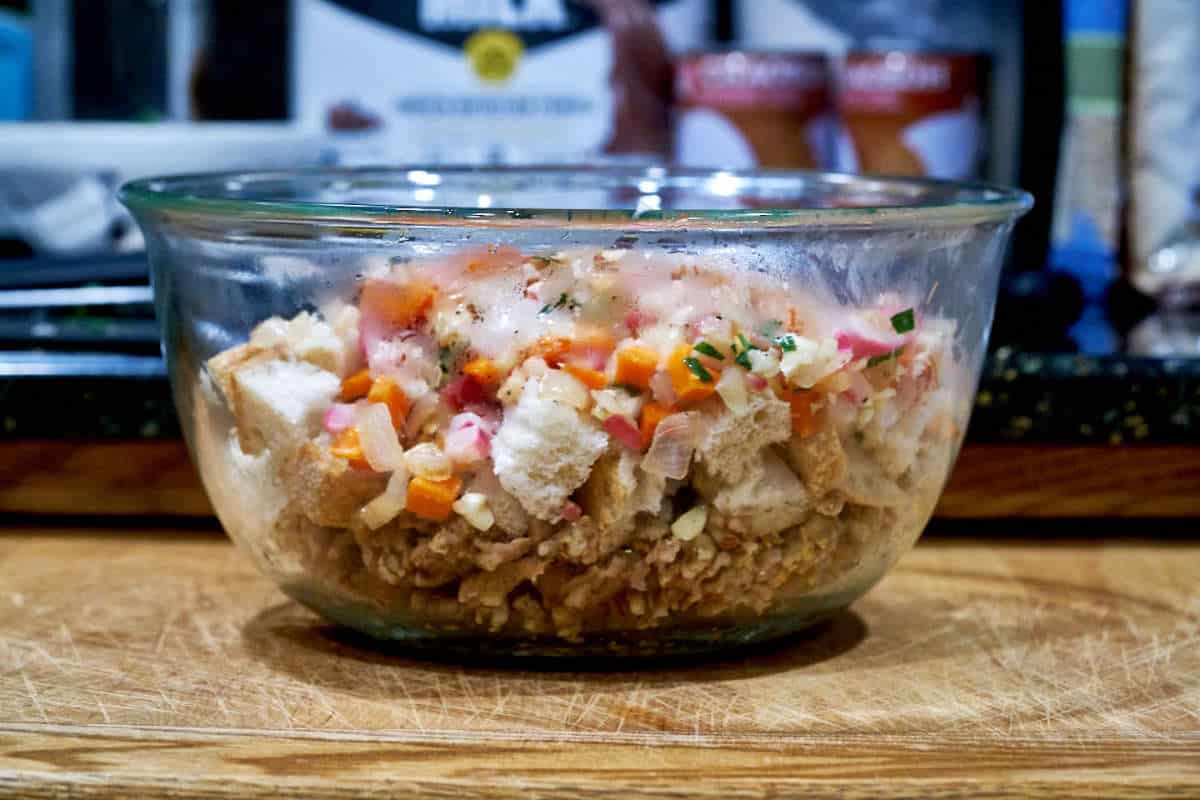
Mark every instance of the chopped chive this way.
pixel 545 309
pixel 745 342
pixel 904 321
pixel 786 343
pixel 876 360
pixel 698 370
pixel 743 360
pixel 709 350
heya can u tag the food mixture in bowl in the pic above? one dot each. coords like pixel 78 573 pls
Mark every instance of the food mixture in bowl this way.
pixel 588 441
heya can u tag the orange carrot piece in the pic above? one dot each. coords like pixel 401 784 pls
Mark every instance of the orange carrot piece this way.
pixel 652 414
pixel 804 419
pixel 397 304
pixel 485 371
pixel 387 391
pixel 591 378
pixel 347 445
pixel 636 365
pixel 432 499
pixel 552 349
pixel 355 386
pixel 689 387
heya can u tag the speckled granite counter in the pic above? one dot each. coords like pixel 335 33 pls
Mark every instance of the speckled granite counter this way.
pixel 1023 397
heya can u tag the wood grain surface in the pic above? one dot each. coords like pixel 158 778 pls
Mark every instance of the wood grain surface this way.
pixel 159 664
pixel 989 481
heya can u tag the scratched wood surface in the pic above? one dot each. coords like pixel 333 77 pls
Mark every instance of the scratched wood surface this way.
pixel 989 481
pixel 158 664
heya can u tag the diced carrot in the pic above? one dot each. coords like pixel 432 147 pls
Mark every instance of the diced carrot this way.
pixel 591 378
pixel 804 419
pixel 347 445
pixel 689 387
pixel 652 414
pixel 636 365
pixel 396 304
pixel 385 390
pixel 591 346
pixel 552 349
pixel 485 371
pixel 432 499
pixel 355 386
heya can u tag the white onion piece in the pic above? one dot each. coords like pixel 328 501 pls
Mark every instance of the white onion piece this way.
pixel 473 507
pixel 564 388
pixel 339 417
pixel 719 330
pixel 609 402
pixel 423 408
pixel 670 453
pixel 690 524
pixel 428 461
pixel 661 388
pixel 388 505
pixel 467 441
pixel 380 446
pixel 732 388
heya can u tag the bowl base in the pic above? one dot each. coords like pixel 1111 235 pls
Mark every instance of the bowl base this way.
pixel 680 638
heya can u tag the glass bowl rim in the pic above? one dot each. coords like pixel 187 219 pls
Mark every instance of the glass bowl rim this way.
pixel 981 202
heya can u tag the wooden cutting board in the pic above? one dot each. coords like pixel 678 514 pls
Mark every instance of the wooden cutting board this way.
pixel 158 664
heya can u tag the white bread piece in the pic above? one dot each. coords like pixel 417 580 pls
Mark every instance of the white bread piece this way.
pixel 307 337
pixel 730 448
pixel 895 446
pixel 327 490
pixel 510 516
pixel 543 451
pixel 772 500
pixel 818 459
pixel 619 489
pixel 866 481
pixel 278 403
pixel 226 363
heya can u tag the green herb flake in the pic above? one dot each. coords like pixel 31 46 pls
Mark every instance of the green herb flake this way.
pixel 786 343
pixel 709 350
pixel 874 361
pixel 743 360
pixel 698 370
pixel 745 342
pixel 904 321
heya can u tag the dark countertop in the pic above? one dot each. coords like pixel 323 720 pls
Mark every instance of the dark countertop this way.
pixel 1023 397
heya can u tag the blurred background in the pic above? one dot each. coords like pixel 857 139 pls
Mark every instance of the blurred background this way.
pixel 1091 105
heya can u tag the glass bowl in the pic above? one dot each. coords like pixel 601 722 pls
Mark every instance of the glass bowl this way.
pixel 573 411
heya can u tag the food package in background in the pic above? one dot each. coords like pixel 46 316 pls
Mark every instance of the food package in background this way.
pixel 495 81
pixel 909 113
pixel 744 109
pixel 1164 160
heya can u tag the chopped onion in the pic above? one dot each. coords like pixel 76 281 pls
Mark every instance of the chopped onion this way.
pixel 473 507
pixel 388 505
pixel 571 511
pixel 732 388
pixel 463 390
pixel 423 409
pixel 380 446
pixel 863 340
pixel 708 361
pixel 756 383
pixel 690 524
pixel 564 388
pixel 671 450
pixel 339 417
pixel 662 390
pixel 763 362
pixel 427 461
pixel 467 442
pixel 608 402
pixel 711 327
pixel 624 431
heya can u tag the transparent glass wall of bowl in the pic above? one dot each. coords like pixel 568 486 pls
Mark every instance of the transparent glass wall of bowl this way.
pixel 224 259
